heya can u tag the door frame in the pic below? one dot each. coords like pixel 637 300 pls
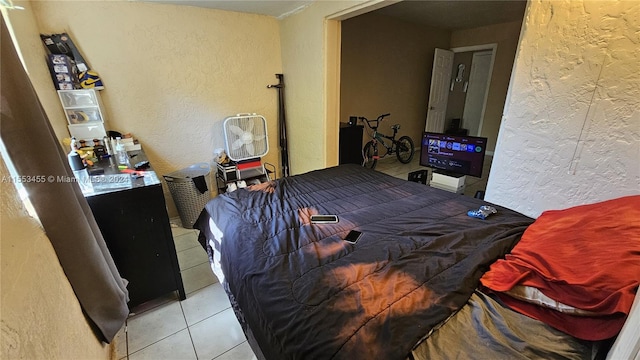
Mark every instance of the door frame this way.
pixel 332 34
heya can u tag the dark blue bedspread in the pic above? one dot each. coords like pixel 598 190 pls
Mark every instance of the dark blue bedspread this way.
pixel 307 294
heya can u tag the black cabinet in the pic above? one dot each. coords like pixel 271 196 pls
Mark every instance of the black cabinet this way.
pixel 136 229
pixel 351 144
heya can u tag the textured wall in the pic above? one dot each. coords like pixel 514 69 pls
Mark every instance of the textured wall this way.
pixel 41 316
pixel 303 61
pixel 571 129
pixel 386 68
pixel 173 73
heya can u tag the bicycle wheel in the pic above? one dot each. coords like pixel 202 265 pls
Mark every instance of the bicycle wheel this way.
pixel 370 155
pixel 405 149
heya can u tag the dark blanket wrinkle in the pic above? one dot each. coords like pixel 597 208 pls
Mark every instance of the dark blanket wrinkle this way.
pixel 307 294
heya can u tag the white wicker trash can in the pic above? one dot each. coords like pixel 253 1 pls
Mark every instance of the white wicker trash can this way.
pixel 190 190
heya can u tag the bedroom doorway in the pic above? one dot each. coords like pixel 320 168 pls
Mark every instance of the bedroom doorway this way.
pixel 478 86
pixel 372 54
pixel 467 92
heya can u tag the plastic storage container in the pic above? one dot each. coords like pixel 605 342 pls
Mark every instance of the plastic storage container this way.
pixel 190 190
pixel 84 111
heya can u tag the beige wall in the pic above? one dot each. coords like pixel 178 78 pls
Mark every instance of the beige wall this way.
pixel 172 74
pixel 506 36
pixel 309 85
pixel 41 316
pixel 386 68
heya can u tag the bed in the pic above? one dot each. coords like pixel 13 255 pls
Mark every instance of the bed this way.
pixel 424 281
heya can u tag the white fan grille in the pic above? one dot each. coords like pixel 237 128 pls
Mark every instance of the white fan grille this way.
pixel 245 137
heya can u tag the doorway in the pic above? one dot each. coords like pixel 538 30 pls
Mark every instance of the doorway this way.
pixel 478 85
pixel 384 58
pixel 468 92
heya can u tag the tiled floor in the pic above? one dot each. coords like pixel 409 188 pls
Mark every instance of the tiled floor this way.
pixel 203 326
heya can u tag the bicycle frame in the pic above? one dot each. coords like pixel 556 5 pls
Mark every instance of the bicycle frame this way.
pixel 379 137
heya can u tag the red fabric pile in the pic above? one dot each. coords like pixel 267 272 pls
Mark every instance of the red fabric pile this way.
pixel 587 257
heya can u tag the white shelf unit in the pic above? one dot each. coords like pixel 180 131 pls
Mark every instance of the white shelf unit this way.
pixel 84 112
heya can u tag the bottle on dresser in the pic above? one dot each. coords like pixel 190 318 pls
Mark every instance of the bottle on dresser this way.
pixel 121 153
pixel 79 168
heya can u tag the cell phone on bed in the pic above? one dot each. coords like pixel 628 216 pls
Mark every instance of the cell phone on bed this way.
pixel 353 236
pixel 324 219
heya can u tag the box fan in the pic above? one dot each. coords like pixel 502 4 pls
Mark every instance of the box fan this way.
pixel 246 142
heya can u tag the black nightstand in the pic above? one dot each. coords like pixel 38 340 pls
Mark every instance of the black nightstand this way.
pixel 351 144
pixel 135 226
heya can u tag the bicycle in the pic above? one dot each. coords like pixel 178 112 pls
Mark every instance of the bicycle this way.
pixel 403 147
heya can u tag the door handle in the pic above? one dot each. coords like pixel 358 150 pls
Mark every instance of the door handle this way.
pixel 432 108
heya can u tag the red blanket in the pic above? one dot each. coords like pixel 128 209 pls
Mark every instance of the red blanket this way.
pixel 587 257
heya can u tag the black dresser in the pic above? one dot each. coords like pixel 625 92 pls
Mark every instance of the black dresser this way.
pixel 135 225
pixel 350 144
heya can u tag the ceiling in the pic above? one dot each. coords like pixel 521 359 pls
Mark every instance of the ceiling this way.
pixel 276 8
pixel 456 15
pixel 449 15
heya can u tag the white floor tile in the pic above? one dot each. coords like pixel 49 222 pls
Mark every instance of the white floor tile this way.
pixel 240 352
pixel 177 231
pixel 154 303
pixel 154 325
pixel 177 346
pixel 186 241
pixel 198 277
pixel 204 303
pixel 192 257
pixel 216 335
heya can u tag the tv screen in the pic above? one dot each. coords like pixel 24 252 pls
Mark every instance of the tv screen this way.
pixel 462 155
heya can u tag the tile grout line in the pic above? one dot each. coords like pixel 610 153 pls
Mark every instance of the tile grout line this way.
pixel 166 337
pixel 159 340
pixel 208 317
pixel 230 350
pixel 188 330
pixel 191 267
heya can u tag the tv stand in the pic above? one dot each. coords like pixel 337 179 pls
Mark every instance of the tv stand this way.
pixel 448 181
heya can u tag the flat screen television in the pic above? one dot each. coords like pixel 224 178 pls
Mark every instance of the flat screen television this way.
pixel 453 154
